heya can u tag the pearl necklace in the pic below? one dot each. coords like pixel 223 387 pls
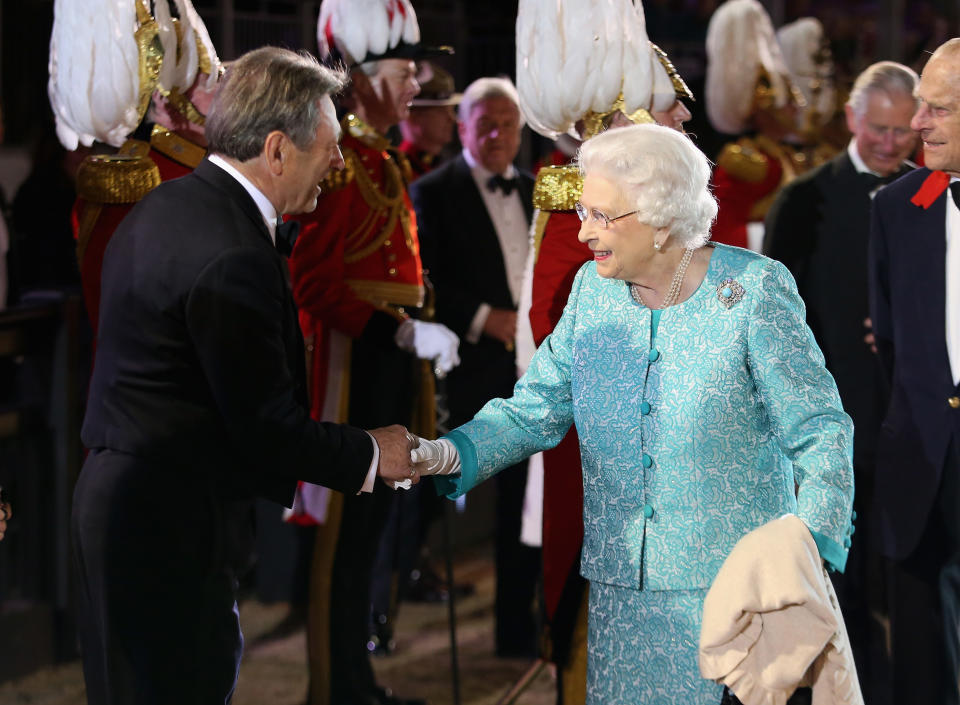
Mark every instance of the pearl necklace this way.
pixel 675 284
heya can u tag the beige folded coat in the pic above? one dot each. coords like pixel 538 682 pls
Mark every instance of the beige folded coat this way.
pixel 771 622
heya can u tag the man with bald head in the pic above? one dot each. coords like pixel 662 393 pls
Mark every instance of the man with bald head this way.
pixel 915 306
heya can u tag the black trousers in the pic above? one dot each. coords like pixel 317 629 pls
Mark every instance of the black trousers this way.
pixel 518 569
pixel 382 389
pixel 157 615
pixel 925 603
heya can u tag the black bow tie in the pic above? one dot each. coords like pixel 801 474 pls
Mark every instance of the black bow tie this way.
pixel 286 235
pixel 874 182
pixel 504 184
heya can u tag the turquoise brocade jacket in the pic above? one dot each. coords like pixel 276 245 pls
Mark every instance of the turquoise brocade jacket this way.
pixel 694 429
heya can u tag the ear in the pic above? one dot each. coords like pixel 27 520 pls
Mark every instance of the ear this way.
pixel 461 130
pixel 275 149
pixel 851 119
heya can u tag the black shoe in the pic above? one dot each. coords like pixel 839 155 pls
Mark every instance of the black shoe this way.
pixel 381 641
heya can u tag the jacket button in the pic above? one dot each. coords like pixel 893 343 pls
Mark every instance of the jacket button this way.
pixel 645 408
pixel 392 271
pixel 653 355
pixel 646 460
pixel 647 511
pixel 387 243
pixel 847 542
pixel 954 402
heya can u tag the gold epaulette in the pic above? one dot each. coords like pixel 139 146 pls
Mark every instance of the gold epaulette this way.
pixel 338 179
pixel 557 188
pixel 177 148
pixel 744 161
pixel 134 148
pixel 363 132
pixel 116 178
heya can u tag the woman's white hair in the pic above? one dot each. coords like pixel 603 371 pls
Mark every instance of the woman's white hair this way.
pixel 661 172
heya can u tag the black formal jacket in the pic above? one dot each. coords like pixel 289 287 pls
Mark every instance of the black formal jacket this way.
pixel 460 250
pixel 819 227
pixel 199 356
pixel 908 305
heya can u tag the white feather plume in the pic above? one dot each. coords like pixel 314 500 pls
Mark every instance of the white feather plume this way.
pixel 574 56
pixel 740 40
pixel 800 42
pixel 94 78
pixel 190 16
pixel 361 28
pixel 168 39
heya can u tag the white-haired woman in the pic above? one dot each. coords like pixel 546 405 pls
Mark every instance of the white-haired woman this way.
pixel 703 408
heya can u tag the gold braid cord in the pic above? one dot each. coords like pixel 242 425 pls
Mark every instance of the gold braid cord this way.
pixel 147 36
pixel 386 206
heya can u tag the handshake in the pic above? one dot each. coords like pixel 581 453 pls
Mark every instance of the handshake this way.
pixel 405 457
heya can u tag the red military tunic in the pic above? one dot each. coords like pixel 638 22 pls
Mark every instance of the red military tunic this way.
pixel 109 186
pixel 559 256
pixel 748 176
pixel 357 254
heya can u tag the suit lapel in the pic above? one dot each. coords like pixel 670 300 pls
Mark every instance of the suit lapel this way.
pixel 526 194
pixel 929 252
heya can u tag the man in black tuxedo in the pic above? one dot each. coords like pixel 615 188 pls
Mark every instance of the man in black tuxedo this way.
pixel 819 228
pixel 473 215
pixel 915 306
pixel 198 400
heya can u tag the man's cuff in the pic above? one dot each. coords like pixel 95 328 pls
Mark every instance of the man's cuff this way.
pixel 367 485
pixel 476 325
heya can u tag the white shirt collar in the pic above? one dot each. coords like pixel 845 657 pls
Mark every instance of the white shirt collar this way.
pixel 266 208
pixel 858 163
pixel 485 173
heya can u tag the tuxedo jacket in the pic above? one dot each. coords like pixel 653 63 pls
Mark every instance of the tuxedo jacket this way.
pixel 908 307
pixel 819 227
pixel 461 253
pixel 200 361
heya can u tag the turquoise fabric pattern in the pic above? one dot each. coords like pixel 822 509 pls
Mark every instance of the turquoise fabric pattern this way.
pixel 696 425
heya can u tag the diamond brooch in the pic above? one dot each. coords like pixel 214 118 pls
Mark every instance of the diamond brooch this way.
pixel 729 292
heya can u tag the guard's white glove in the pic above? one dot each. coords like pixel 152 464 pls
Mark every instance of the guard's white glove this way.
pixel 430 341
pixel 439 457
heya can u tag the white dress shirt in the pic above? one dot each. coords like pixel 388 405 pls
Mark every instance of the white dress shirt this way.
pixel 952 306
pixel 269 214
pixel 510 222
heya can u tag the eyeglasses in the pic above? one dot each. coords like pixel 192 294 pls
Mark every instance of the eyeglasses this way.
pixel 598 217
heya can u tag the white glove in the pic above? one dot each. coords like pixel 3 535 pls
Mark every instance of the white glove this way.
pixel 439 457
pixel 430 341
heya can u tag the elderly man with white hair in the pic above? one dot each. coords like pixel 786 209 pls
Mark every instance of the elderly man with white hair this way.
pixel 473 216
pixel 702 403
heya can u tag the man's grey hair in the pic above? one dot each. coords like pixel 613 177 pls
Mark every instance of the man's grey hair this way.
pixel 660 173
pixel 884 76
pixel 484 89
pixel 269 89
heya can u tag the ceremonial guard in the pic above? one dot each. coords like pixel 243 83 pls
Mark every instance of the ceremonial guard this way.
pixel 180 69
pixel 358 283
pixel 642 87
pixel 749 92
pixel 432 120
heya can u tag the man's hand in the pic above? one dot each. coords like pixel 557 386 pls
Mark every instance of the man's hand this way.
pixel 868 338
pixel 501 324
pixel 395 445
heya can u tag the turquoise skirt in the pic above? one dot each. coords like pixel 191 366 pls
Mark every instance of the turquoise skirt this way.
pixel 642 648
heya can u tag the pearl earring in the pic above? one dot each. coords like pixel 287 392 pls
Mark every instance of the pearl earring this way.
pixel 656 245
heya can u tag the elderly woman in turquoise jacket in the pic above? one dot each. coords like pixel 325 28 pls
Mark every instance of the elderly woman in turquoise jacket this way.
pixel 702 403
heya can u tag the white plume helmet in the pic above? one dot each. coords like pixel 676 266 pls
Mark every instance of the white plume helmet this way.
pixel 578 56
pixel 94 85
pixel 365 30
pixel 741 42
pixel 187 49
pixel 804 46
